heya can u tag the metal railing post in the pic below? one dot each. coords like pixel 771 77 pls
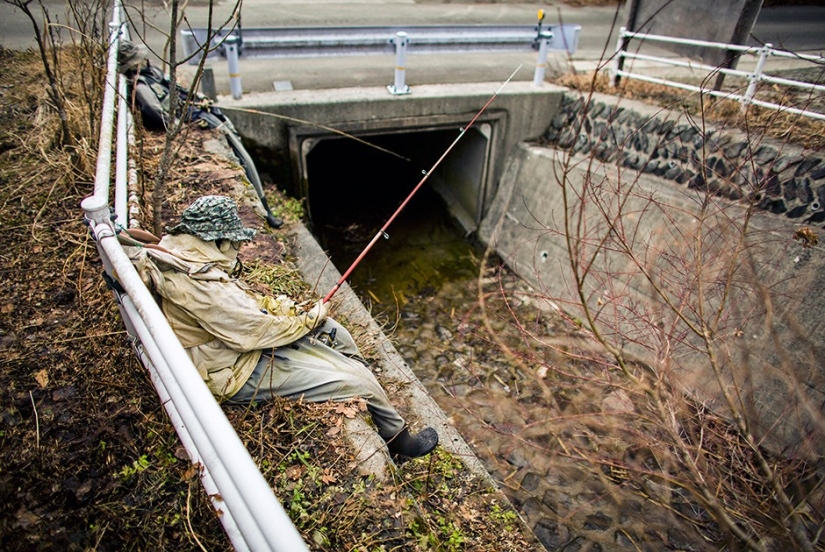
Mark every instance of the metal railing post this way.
pixel 401 41
pixel 541 63
pixel 756 76
pixel 234 67
pixel 616 63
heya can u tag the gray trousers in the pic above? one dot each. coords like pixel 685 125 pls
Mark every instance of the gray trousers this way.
pixel 318 372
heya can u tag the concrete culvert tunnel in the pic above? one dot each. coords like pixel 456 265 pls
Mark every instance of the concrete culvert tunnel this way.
pixel 353 189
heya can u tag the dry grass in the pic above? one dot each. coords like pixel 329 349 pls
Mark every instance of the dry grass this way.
pixel 89 460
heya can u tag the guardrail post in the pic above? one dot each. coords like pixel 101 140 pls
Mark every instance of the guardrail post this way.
pixel 399 86
pixel 235 87
pixel 615 65
pixel 541 64
pixel 756 76
pixel 208 84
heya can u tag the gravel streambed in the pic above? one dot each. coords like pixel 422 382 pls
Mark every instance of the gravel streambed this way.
pixel 492 356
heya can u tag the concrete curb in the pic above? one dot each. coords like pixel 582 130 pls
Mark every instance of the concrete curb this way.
pixel 316 268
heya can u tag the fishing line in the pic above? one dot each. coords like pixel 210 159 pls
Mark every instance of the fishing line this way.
pixel 323 127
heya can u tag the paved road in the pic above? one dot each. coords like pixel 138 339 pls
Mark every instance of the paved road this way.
pixel 337 72
pixel 797 27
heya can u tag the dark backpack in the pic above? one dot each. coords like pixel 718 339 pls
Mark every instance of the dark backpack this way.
pixel 152 92
pixel 152 95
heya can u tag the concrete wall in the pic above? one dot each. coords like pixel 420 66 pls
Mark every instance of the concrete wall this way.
pixel 770 338
pixel 279 126
pixel 728 22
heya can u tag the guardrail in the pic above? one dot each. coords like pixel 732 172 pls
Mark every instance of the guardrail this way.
pixel 284 42
pixel 287 42
pixel 249 511
pixel 753 78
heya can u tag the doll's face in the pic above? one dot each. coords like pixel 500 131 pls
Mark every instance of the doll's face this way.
pixel 230 249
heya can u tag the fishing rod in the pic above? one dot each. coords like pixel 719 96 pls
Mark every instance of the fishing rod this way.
pixel 383 230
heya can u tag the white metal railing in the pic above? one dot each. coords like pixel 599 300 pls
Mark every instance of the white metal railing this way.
pixel 249 511
pixel 753 78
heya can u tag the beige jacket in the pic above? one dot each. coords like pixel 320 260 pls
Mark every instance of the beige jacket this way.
pixel 221 322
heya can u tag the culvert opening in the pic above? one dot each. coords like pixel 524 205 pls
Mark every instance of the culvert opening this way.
pixel 354 189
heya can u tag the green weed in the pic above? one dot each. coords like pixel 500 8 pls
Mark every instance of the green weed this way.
pixel 506 518
pixel 138 466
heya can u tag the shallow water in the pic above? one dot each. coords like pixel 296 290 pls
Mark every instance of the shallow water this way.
pixel 422 250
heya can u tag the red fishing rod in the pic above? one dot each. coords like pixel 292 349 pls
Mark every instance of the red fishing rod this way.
pixel 383 230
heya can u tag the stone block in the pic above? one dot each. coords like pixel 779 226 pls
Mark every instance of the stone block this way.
pixel 797 212
pixel 689 134
pixel 804 192
pixel 651 126
pixel 598 522
pixel 765 155
pixel 735 150
pixel 530 482
pixel 785 161
pixel 806 165
pixel 773 188
pixel 676 130
pixel 551 534
pixel 641 142
pixel 673 171
pixel 666 127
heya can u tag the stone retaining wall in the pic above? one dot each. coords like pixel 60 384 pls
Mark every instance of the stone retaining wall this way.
pixel 778 177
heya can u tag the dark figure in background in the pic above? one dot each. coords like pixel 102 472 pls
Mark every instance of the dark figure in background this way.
pixel 150 89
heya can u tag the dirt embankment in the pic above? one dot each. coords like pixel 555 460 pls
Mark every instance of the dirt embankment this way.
pixel 89 460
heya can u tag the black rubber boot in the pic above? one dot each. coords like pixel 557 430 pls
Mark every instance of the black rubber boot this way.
pixel 412 446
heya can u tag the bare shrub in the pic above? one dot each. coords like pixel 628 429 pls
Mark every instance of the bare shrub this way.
pixel 684 376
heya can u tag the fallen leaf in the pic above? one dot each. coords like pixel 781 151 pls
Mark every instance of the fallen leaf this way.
pixel 190 472
pixel 181 454
pixel 42 378
pixel 25 518
pixel 335 430
pixel 328 477
pixel 347 409
pixel 294 472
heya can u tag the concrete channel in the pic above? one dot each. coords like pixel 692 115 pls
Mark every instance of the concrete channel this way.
pixel 493 184
pixel 297 134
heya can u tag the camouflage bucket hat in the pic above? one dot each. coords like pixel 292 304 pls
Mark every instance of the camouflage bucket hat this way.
pixel 213 218
pixel 131 56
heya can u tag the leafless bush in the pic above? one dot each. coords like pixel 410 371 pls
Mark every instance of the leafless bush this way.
pixel 170 60
pixel 683 376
